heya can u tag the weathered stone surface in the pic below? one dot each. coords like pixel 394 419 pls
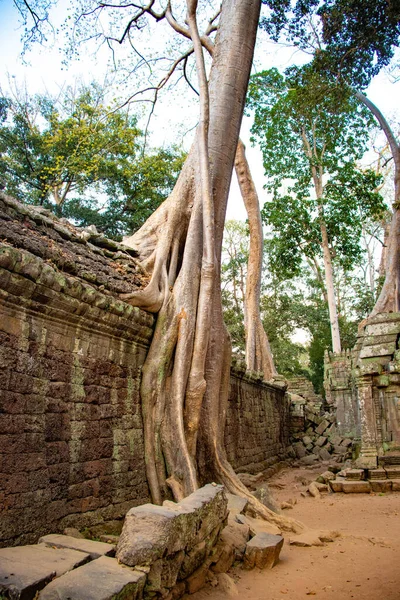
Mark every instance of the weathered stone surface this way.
pixel 152 532
pixel 339 449
pixel 346 442
pixel 324 453
pixel 392 472
pixel 356 487
pixel 310 459
pixel 73 532
pixel 299 449
pixel 326 476
pixel 265 496
pixel 322 426
pixel 321 487
pixel 94 549
pixel 321 440
pixel 197 580
pixel 354 474
pixel 376 474
pixel 227 586
pixel 225 559
pixel 192 560
pixel 309 538
pixel 236 504
pixel 380 486
pixel 163 573
pixel 313 490
pixel 262 551
pixel 237 536
pixel 396 485
pixel 336 484
pixel 258 525
pixel 102 579
pixel 26 569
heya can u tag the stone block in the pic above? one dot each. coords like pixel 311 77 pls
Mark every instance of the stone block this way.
pixel 236 535
pixel 339 449
pixel 102 579
pixel 193 559
pixel 264 495
pixel 310 459
pixel 321 441
pixel 94 549
pixel 356 487
pixel 163 573
pixel 262 551
pixel 336 485
pixel 346 442
pixel 236 504
pixel 197 580
pixel 225 559
pixel 324 453
pixel 258 525
pixel 299 449
pixel 325 477
pixel 376 474
pixel 306 440
pixel 25 570
pixel 306 540
pixel 396 485
pixel 381 486
pixel 322 426
pixel 354 474
pixel 392 472
pixel 152 532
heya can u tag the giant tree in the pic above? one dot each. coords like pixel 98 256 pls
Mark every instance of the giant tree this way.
pixel 350 42
pixel 186 374
pixel 311 134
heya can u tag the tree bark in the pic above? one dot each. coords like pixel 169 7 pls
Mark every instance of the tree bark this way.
pixel 389 298
pixel 258 351
pixel 184 404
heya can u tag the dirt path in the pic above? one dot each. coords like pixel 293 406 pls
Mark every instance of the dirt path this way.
pixel 364 563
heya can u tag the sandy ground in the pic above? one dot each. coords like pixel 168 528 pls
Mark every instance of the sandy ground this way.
pixel 363 563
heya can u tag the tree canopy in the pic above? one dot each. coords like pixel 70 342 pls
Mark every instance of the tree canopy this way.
pixel 83 159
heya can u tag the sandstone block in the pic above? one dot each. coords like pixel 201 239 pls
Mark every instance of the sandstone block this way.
pixel 102 579
pixel 197 580
pixel 299 449
pixel 263 551
pixel 339 449
pixel 321 440
pixel 380 486
pixel 225 559
pixel 324 453
pixel 237 536
pixel 336 484
pixel 310 459
pixel 313 490
pixel 376 474
pixel 236 504
pixel 322 426
pixel 396 485
pixel 258 525
pixel 354 474
pixel 346 442
pixel 392 472
pixel 356 487
pixel 307 539
pixel 152 532
pixel 227 586
pixel 163 573
pixel 264 495
pixel 25 570
pixel 94 549
pixel 192 560
pixel 306 440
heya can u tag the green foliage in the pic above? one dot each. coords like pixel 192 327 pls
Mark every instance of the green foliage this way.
pixel 83 160
pixel 311 133
pixel 350 38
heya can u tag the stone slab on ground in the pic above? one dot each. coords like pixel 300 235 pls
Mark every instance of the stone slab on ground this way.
pixel 101 579
pixel 27 569
pixel 94 549
pixel 262 551
pixel 376 474
pixel 306 539
pixel 356 487
pixel 355 474
pixel 336 485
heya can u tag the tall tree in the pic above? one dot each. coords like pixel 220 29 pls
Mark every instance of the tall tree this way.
pixel 311 135
pixel 350 42
pixel 185 378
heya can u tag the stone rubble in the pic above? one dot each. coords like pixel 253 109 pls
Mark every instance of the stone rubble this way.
pixel 162 552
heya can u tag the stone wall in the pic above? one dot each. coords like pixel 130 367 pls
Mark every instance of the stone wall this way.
pixel 71 353
pixel 341 395
pixel 257 423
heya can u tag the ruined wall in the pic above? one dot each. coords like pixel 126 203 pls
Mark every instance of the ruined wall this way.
pixel 257 423
pixel 341 394
pixel 71 438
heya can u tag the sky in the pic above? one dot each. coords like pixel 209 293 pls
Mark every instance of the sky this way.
pixel 43 70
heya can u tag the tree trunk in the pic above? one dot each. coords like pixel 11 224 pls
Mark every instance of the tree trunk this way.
pixel 258 351
pixel 185 380
pixel 330 288
pixel 389 298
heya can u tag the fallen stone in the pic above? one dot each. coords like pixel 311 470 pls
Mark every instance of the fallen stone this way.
pixel 376 474
pixel 324 453
pixel 177 591
pixel 236 535
pixel 356 487
pixel 325 477
pixel 354 474
pixel 101 579
pixel 73 532
pixel 328 536
pixel 339 449
pixel 392 472
pixel 309 460
pixel 94 549
pixel 321 487
pixel 192 560
pixel 321 441
pixel 197 580
pixel 227 586
pixel 307 539
pixel 286 505
pixel 336 484
pixel 346 442
pixel 163 573
pixel 322 426
pixel 313 490
pixel 25 570
pixel 236 504
pixel 225 559
pixel 258 525
pixel 299 449
pixel 306 440
pixel 264 495
pixel 380 486
pixel 263 551
pixel 152 532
